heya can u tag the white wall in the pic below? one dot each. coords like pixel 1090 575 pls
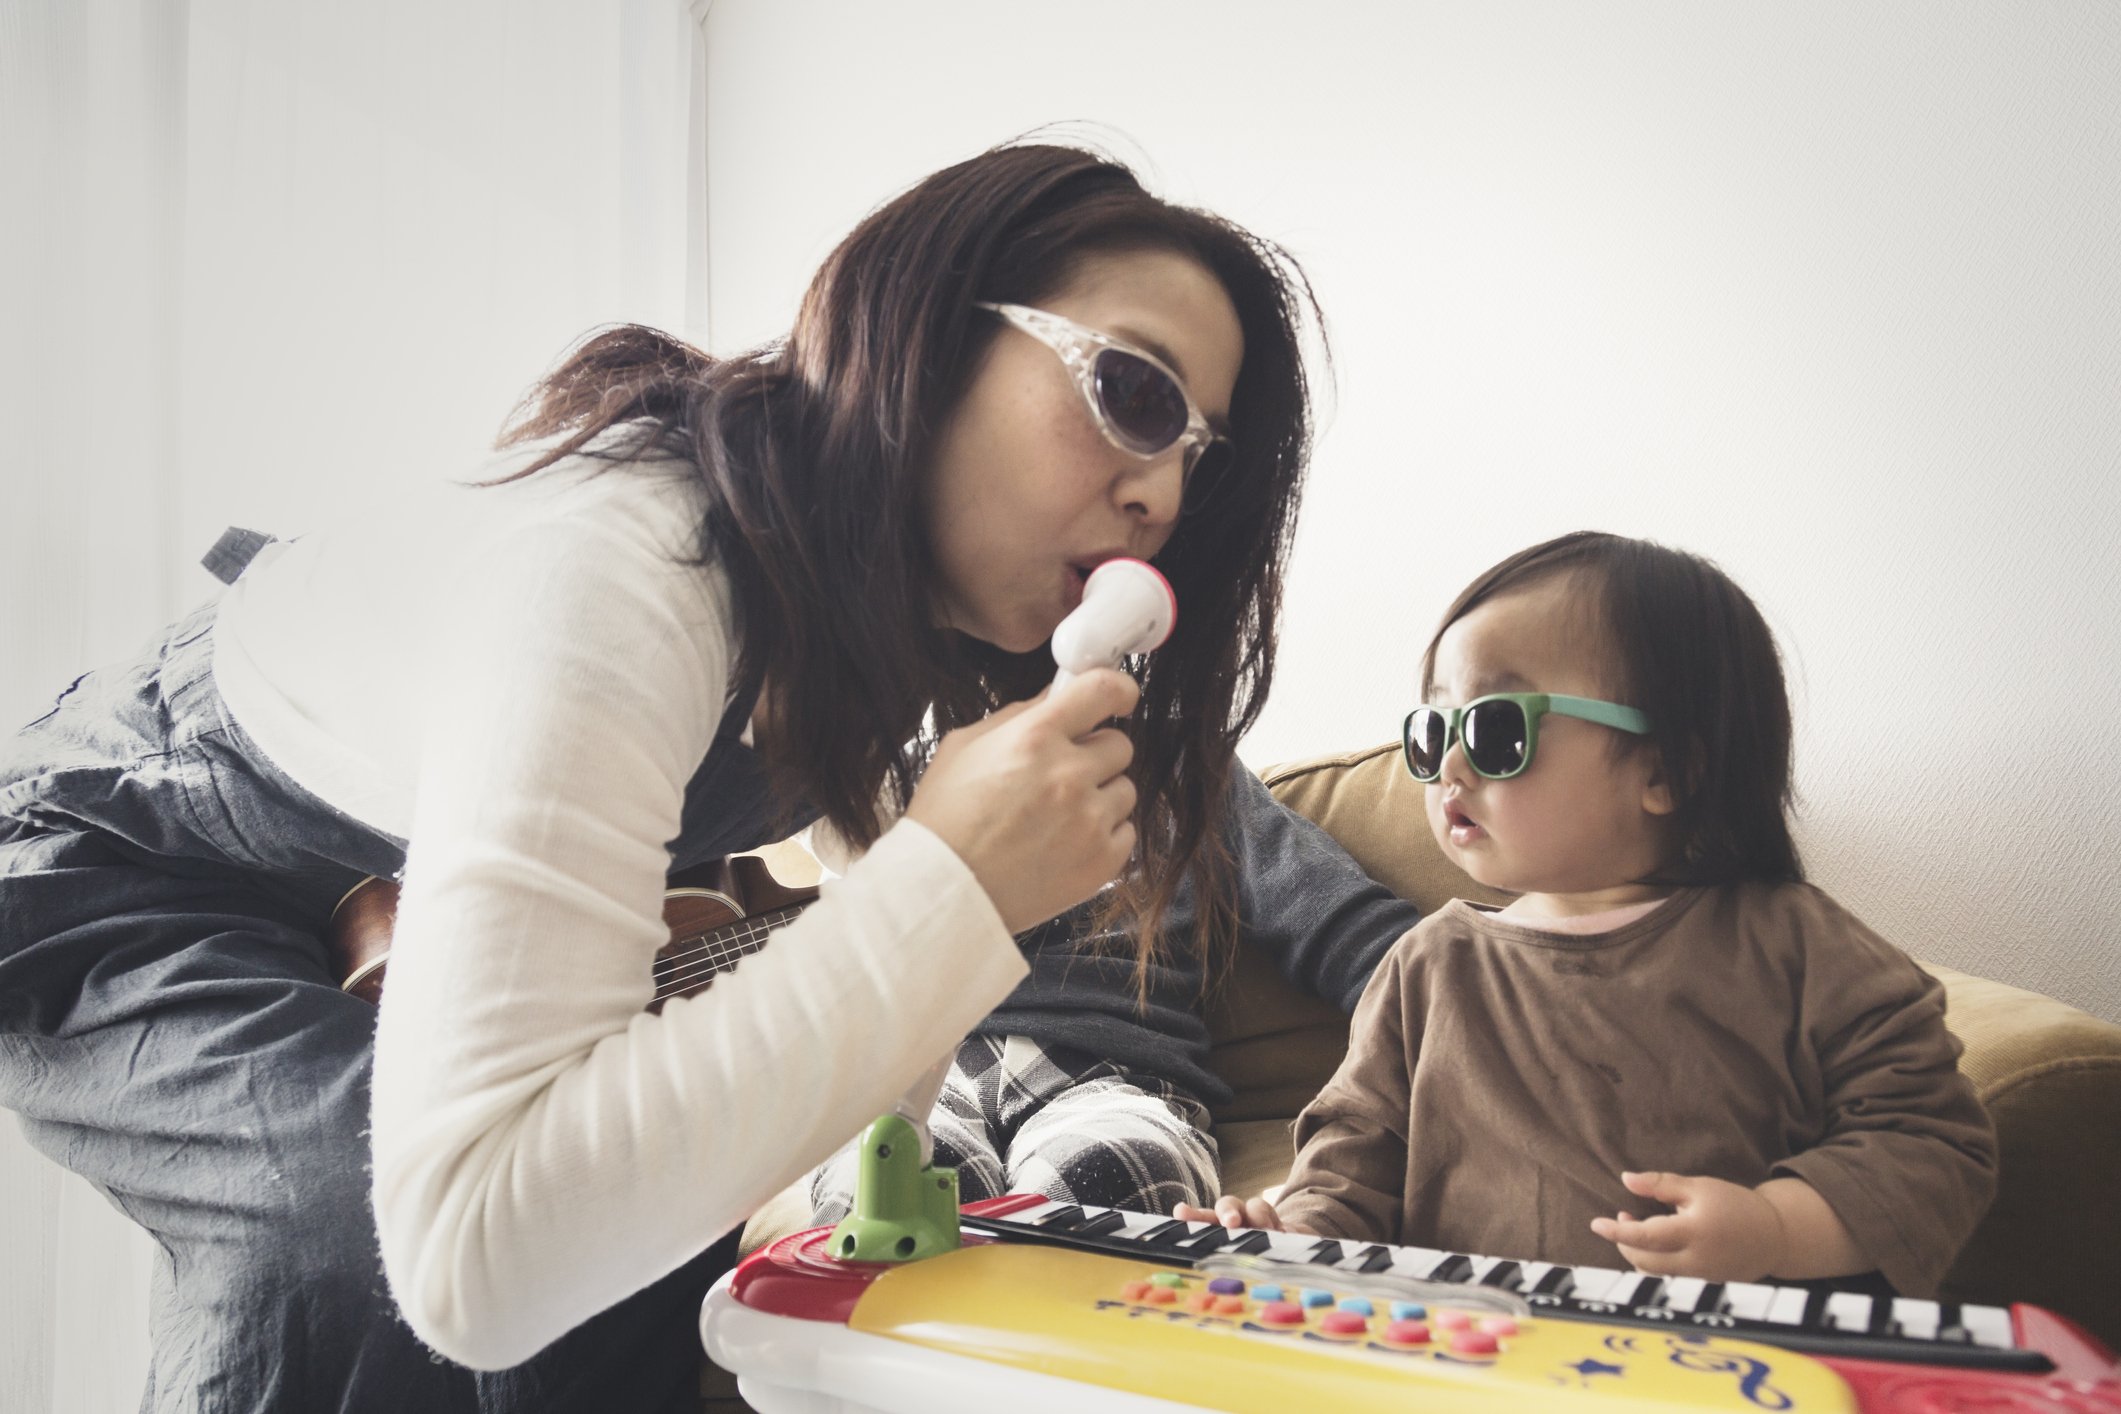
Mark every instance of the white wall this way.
pixel 263 261
pixel 1827 292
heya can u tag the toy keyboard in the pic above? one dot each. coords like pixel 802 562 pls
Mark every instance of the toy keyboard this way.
pixel 1032 1315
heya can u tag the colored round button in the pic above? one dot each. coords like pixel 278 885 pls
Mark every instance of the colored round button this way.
pixel 1409 1311
pixel 1474 1343
pixel 1343 1323
pixel 1167 1279
pixel 1408 1333
pixel 1282 1313
pixel 1162 1296
pixel 1313 1296
pixel 1229 1305
pixel 1202 1301
pixel 1452 1320
pixel 1267 1292
pixel 1134 1290
pixel 1360 1305
pixel 1499 1325
pixel 1227 1286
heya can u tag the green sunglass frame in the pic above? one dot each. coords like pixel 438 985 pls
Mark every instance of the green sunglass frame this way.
pixel 1534 705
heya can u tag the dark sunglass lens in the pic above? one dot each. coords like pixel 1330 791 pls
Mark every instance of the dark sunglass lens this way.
pixel 1210 470
pixel 1494 736
pixel 1426 731
pixel 1142 403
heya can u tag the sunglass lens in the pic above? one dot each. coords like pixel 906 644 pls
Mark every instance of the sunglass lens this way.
pixel 1494 736
pixel 1144 406
pixel 1426 744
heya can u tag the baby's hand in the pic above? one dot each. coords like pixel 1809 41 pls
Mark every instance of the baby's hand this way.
pixel 1722 1231
pixel 1233 1211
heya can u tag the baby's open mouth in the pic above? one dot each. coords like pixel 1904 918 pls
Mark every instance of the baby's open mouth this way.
pixel 1464 828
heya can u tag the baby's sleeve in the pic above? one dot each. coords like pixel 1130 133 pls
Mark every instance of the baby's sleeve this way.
pixel 1350 1175
pixel 1908 1158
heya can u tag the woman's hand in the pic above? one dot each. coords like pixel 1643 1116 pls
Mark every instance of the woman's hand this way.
pixel 1233 1211
pixel 1035 799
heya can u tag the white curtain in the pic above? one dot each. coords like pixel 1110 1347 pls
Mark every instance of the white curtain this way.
pixel 262 261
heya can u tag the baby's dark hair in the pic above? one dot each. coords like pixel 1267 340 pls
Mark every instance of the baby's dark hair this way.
pixel 1691 650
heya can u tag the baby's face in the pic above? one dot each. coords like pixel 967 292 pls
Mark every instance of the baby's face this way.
pixel 1584 819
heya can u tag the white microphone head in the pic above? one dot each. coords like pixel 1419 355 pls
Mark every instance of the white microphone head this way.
pixel 1127 608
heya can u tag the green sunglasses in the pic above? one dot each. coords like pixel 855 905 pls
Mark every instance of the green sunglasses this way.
pixel 1500 731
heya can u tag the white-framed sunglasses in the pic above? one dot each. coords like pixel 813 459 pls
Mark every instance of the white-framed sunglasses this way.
pixel 1140 405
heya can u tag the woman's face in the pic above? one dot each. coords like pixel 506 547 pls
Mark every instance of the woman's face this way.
pixel 1025 495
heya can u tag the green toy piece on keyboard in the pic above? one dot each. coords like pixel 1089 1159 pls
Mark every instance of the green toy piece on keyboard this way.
pixel 903 1210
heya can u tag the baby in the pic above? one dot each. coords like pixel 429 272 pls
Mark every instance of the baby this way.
pixel 1668 1042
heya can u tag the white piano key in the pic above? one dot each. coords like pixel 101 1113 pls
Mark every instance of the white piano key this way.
pixel 1415 1262
pixel 1592 1283
pixel 1681 1293
pixel 1917 1319
pixel 1989 1326
pixel 1290 1246
pixel 1848 1311
pixel 1622 1291
pixel 1787 1306
pixel 1749 1299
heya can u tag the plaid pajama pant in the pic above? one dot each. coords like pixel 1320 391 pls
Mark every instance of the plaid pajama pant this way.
pixel 1018 1117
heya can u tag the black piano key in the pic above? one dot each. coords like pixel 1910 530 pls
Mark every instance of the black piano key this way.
pixel 1062 1218
pixel 1882 1321
pixel 1374 1258
pixel 1559 1281
pixel 1950 1329
pixel 1168 1233
pixel 1815 1309
pixel 1504 1276
pixel 1200 1244
pixel 1649 1292
pixel 1110 1220
pixel 1325 1254
pixel 1453 1268
pixel 1252 1243
pixel 1711 1302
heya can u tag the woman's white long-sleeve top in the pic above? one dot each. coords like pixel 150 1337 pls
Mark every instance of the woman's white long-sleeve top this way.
pixel 520 681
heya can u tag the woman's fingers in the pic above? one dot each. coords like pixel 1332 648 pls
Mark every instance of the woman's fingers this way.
pixel 1087 701
pixel 1036 799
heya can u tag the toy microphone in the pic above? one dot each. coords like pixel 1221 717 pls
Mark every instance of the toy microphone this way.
pixel 1127 608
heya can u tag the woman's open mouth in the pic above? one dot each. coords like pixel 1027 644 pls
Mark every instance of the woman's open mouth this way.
pixel 1078 576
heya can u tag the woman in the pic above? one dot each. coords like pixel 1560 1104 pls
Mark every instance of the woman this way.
pixel 705 602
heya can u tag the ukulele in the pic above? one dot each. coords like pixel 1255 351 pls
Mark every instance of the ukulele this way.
pixel 718 913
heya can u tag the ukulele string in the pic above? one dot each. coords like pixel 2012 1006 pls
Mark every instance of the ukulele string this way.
pixel 729 943
pixel 696 960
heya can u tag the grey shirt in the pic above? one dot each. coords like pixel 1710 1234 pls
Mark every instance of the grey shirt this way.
pixel 1301 897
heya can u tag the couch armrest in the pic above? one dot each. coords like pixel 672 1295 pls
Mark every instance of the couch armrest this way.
pixel 2051 1078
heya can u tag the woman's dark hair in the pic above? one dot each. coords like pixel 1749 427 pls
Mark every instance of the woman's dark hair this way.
pixel 812 450
pixel 1689 649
